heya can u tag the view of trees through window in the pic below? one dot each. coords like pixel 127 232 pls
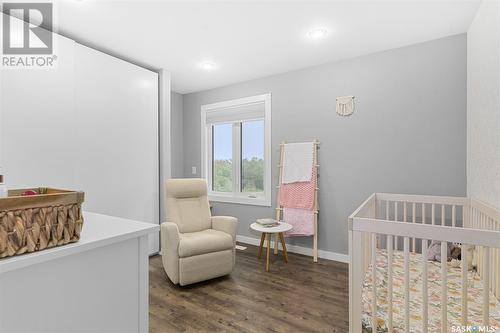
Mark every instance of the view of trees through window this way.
pixel 252 157
pixel 222 158
pixel 252 153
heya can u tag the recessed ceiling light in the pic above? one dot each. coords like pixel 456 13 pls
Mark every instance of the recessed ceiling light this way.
pixel 317 33
pixel 208 65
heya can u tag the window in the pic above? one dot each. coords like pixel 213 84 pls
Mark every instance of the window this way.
pixel 236 152
pixel 222 158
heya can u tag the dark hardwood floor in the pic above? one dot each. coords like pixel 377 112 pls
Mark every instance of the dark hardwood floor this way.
pixel 296 297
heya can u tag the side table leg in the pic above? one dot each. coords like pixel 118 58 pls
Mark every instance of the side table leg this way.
pixel 262 238
pixel 285 253
pixel 268 251
pixel 276 243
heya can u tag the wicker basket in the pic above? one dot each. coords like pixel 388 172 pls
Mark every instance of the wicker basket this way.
pixel 31 223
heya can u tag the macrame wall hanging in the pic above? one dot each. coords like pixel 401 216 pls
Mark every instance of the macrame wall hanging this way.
pixel 345 105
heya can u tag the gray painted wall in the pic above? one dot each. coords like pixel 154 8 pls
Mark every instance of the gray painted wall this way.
pixel 176 125
pixel 483 110
pixel 407 135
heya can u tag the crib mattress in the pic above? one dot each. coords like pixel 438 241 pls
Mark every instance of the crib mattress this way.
pixel 475 288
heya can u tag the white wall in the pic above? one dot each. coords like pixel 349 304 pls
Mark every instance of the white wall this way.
pixel 90 124
pixel 483 104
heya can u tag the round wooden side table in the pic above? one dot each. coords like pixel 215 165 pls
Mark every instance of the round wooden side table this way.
pixel 269 231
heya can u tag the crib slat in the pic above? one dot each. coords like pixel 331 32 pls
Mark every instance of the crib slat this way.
pixel 490 264
pixel 480 225
pixel 405 211
pixel 413 220
pixel 486 286
pixel 425 300
pixel 469 217
pixel 497 274
pixel 368 249
pixel 407 283
pixel 464 284
pixel 493 280
pixel 389 278
pixel 378 215
pixel 453 215
pixel 395 219
pixel 474 217
pixel 374 282
pixel 364 247
pixel 443 221
pixel 495 269
pixel 356 273
pixel 444 282
pixel 484 226
pixel 478 248
pixel 387 209
pixel 423 213
pixel 465 216
pixel 433 214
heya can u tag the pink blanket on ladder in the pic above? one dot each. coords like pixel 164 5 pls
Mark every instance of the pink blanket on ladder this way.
pixel 302 221
pixel 298 195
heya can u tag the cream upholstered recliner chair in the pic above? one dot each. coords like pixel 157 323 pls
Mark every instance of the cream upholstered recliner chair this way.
pixel 194 245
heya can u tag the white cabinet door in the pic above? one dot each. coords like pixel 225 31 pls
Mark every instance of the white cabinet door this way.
pixel 37 122
pixel 90 124
pixel 117 129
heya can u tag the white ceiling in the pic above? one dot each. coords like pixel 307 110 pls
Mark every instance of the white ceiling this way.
pixel 249 40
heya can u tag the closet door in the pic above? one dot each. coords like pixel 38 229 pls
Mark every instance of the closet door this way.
pixel 117 137
pixel 37 127
pixel 89 124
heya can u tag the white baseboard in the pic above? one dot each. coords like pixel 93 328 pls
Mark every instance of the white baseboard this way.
pixel 299 249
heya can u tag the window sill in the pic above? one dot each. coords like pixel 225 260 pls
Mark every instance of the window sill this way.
pixel 262 201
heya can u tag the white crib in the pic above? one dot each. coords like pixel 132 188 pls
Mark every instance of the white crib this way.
pixel 398 222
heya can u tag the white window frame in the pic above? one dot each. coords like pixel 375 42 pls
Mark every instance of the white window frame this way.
pixel 258 199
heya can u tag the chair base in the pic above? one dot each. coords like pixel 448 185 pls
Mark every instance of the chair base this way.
pixel 205 266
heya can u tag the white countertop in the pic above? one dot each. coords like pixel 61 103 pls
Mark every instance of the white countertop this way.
pixel 98 230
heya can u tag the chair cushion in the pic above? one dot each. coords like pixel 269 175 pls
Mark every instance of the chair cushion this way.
pixel 201 242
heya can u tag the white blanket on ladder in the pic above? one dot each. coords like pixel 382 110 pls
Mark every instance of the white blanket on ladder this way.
pixel 297 162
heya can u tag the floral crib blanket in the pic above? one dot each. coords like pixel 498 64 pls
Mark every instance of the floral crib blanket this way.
pixel 475 289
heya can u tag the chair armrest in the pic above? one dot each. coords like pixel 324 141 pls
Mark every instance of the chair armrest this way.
pixel 169 237
pixel 226 224
pixel 170 250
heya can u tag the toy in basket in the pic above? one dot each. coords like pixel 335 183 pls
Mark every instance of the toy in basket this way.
pixel 38 219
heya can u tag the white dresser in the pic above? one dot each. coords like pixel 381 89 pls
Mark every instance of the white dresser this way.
pixel 99 284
